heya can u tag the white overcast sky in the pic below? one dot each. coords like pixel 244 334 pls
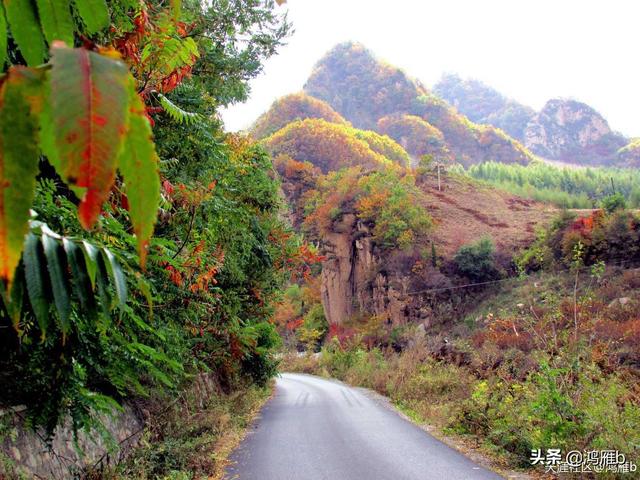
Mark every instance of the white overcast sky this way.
pixel 530 50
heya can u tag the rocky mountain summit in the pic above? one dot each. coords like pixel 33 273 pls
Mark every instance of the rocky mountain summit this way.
pixel 565 129
pixel 572 131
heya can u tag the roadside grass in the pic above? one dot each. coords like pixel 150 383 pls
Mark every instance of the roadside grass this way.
pixel 192 438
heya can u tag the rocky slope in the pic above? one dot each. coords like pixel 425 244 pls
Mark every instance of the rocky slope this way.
pixel 362 278
pixel 573 132
pixel 359 278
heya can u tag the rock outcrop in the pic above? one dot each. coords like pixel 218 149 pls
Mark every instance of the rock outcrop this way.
pixel 574 132
pixel 356 279
pixel 565 130
pixel 361 279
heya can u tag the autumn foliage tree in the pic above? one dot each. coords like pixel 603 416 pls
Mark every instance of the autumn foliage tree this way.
pixel 386 200
pixel 415 135
pixel 603 236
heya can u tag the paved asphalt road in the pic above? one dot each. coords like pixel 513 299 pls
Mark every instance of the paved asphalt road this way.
pixel 318 429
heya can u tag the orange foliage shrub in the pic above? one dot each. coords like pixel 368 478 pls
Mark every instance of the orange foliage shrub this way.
pixel 387 201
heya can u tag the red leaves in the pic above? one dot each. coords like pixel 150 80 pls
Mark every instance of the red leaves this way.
pixel 167 187
pixel 159 50
pixel 293 325
pixel 174 275
pixel 176 77
pixel 585 225
pixel 89 106
pixel 198 268
pixel 139 168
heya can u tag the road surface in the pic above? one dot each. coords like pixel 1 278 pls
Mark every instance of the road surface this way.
pixel 319 429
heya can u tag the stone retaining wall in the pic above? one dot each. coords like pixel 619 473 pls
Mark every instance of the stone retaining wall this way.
pixel 24 452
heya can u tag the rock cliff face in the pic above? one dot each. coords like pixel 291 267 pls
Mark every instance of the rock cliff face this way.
pixel 355 279
pixel 359 278
pixel 572 131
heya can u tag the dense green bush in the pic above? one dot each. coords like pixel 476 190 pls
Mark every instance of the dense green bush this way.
pixel 221 251
pixel 260 363
pixel 569 408
pixel 613 202
pixel 477 261
pixel 612 237
pixel 90 347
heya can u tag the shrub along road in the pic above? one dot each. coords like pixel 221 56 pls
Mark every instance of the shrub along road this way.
pixel 319 429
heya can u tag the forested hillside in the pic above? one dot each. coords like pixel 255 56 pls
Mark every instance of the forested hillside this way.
pixel 296 106
pixel 483 104
pixel 365 90
pixel 331 146
pixel 563 186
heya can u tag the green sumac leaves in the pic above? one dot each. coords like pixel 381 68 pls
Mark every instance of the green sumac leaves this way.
pixel 56 20
pixel 58 270
pixel 94 14
pixel 83 113
pixel 139 168
pixel 3 38
pixel 33 22
pixel 25 30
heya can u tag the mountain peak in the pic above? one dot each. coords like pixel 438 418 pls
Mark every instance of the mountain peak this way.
pixel 569 130
pixel 359 86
